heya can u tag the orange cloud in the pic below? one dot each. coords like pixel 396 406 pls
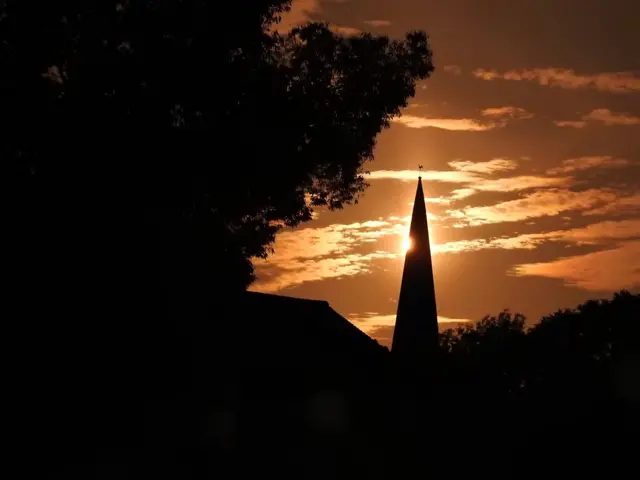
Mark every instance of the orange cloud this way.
pixel 300 12
pixel 618 206
pixel 525 182
pixel 453 176
pixel 615 82
pixel 297 272
pixel 438 200
pixel 498 118
pixel 473 174
pixel 506 112
pixel 378 23
pixel 312 254
pixel 570 123
pixel 373 319
pixel 315 254
pixel 453 124
pixel 520 242
pixel 303 11
pixel 537 204
pixel 491 166
pixel 584 163
pixel 454 69
pixel 330 240
pixel 460 193
pixel 610 118
pixel 608 270
pixel 602 115
pixel 455 195
pixel 611 269
pixel 597 233
pixel 380 327
pixel 344 30
pixel 508 184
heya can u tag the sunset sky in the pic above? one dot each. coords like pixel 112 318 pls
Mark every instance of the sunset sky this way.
pixel 529 134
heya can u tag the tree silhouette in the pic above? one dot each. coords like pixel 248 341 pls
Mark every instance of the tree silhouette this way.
pixel 155 148
pixel 568 382
pixel 585 352
pixel 487 354
pixel 216 137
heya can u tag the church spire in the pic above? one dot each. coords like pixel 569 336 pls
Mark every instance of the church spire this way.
pixel 415 336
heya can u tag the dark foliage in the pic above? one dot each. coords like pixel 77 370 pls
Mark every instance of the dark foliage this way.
pixel 580 353
pixel 565 391
pixel 151 150
pixel 213 137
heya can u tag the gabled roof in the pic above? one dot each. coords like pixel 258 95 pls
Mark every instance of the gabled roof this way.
pixel 309 316
pixel 298 331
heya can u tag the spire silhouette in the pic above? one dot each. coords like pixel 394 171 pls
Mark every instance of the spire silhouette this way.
pixel 415 337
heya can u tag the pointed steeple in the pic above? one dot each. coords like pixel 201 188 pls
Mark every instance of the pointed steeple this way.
pixel 415 336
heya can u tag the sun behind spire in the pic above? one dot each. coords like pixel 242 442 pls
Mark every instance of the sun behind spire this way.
pixel 415 335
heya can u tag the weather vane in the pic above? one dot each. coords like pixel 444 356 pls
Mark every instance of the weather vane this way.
pixel 420 167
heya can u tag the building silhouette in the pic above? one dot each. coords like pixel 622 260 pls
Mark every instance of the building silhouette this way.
pixel 415 337
pixel 294 387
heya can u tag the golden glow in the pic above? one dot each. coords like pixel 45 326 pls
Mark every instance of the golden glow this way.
pixel 407 243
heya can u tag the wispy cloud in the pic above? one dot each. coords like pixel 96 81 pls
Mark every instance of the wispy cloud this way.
pixel 312 254
pixel 602 233
pixel 378 23
pixel 610 118
pixel 475 177
pixel 614 82
pixel 584 163
pixel 601 115
pixel 446 176
pixel 619 206
pixel 344 30
pixel 301 12
pixel 571 123
pixel 380 326
pixel 607 270
pixel 463 171
pixel 460 193
pixel 453 124
pixel 275 276
pixel 496 117
pixel 488 167
pixel 508 184
pixel 611 269
pixel 335 251
pixel 333 239
pixel 524 182
pixel 373 319
pixel 537 204
pixel 455 195
pixel 453 69
pixel 506 112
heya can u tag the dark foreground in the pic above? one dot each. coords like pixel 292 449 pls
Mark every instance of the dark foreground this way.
pixel 221 400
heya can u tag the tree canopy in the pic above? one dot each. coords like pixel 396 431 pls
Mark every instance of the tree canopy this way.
pixel 155 148
pixel 573 354
pixel 561 394
pixel 196 117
